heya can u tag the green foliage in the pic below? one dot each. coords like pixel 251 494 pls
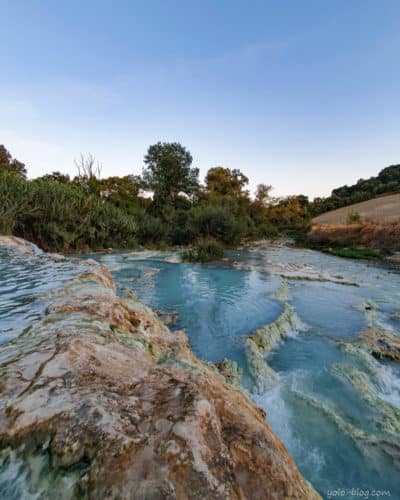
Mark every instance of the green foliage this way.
pixel 267 230
pixel 151 230
pixel 262 193
pixel 183 228
pixel 168 172
pixel 219 223
pixel 353 218
pixel 60 216
pixel 89 212
pixel 57 177
pixel 15 197
pixel 121 192
pixel 289 214
pixel 353 253
pixel 225 182
pixel 387 181
pixel 9 164
pixel 204 251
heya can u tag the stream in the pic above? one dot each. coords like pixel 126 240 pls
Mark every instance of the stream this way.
pixel 335 407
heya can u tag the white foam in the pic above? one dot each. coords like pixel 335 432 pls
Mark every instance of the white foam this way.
pixel 279 416
pixel 391 394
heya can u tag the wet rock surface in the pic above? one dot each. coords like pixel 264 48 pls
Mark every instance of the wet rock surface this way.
pixel 18 245
pixel 380 344
pixel 100 400
pixel 376 339
pixel 264 340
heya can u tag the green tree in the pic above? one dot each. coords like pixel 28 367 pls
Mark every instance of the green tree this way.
pixel 9 164
pixel 226 182
pixel 263 193
pixel 121 192
pixel 57 177
pixel 168 171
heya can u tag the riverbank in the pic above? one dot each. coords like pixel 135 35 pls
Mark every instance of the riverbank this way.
pixel 99 399
pixel 364 241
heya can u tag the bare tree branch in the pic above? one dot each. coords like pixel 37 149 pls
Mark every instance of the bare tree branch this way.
pixel 88 167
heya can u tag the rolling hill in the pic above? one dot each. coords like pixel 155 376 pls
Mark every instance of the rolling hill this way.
pixel 382 209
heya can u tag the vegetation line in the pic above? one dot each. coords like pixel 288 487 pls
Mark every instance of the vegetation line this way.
pixel 168 206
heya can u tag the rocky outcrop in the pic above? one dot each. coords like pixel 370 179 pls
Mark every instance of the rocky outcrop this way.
pixel 100 400
pixel 376 339
pixel 381 344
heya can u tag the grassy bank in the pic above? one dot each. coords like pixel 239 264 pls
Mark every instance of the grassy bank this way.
pixel 357 241
pixel 353 253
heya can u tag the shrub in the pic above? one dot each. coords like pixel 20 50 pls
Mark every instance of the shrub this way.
pixel 353 253
pixel 219 223
pixel 151 229
pixel 382 237
pixel 15 196
pixel 204 251
pixel 59 216
pixel 183 229
pixel 266 230
pixel 353 218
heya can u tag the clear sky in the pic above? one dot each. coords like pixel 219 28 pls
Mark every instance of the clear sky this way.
pixel 300 94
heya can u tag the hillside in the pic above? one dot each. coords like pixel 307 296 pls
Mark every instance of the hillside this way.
pixel 381 209
pixel 385 183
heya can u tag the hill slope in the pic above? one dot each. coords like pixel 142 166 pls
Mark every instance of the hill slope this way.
pixel 382 209
pixel 386 182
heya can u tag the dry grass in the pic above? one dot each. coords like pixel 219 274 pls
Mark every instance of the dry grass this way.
pixel 379 210
pixel 383 237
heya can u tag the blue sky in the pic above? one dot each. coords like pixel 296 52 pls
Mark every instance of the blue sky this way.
pixel 303 95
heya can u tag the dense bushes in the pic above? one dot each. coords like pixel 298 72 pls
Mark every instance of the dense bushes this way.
pixel 219 223
pixel 204 251
pixel 61 217
pixel 85 212
pixel 15 196
pixel 151 230
pixel 384 237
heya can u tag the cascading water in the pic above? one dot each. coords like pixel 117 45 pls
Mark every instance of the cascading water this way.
pixel 335 407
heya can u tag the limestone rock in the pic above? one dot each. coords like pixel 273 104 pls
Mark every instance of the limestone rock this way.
pixel 381 344
pixel 19 245
pixel 100 400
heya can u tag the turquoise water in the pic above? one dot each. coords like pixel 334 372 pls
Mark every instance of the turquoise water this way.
pixel 337 410
pixel 342 435
pixel 24 281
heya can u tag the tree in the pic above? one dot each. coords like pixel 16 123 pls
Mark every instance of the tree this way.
pixel 88 167
pixel 121 191
pixel 5 156
pixel 226 182
pixel 168 172
pixel 263 193
pixel 391 173
pixel 57 177
pixel 89 172
pixel 9 164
